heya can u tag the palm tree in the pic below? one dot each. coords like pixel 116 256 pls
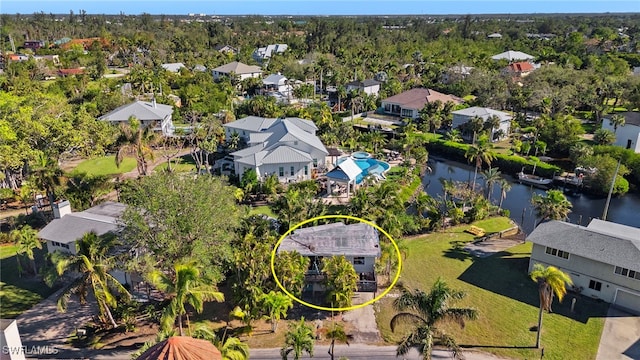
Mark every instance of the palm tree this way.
pixel 184 286
pixel 275 305
pixel 92 262
pixel 135 140
pixel 231 348
pixel 550 281
pixel 291 267
pixel 617 120
pixel 475 124
pixel 298 339
pixel 505 186
pixel 453 135
pixel 336 333
pixel 552 206
pixel 46 174
pixel 480 152
pixel 492 124
pixel 27 239
pixel 491 177
pixel 426 311
pixel 341 280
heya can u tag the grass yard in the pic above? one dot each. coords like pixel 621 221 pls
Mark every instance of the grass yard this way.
pixel 262 210
pixel 507 299
pixel 105 165
pixel 18 294
pixel 181 165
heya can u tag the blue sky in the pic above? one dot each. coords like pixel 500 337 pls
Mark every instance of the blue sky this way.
pixel 315 7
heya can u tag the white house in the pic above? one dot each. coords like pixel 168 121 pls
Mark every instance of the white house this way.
pixel 265 53
pixel 368 86
pixel 628 135
pixel 286 147
pixel 67 227
pixel 10 342
pixel 359 243
pixel 173 67
pixel 461 117
pixel 513 56
pixel 277 82
pixel 240 70
pixel 603 258
pixel 409 103
pixel 148 113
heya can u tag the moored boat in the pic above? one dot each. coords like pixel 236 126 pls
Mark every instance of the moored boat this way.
pixel 534 179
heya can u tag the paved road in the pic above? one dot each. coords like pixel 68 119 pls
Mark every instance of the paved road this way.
pixel 368 352
pixel 620 336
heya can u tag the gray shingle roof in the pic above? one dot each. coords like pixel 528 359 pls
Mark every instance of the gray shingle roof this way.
pixel 365 83
pixel 238 68
pixel 141 110
pixel 512 56
pixel 333 239
pixel 100 219
pixel 630 118
pixel 600 242
pixel 274 79
pixel 173 67
pixel 483 113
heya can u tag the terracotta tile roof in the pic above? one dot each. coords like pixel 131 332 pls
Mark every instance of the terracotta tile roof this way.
pixel 418 97
pixel 519 67
pixel 182 347
pixel 66 72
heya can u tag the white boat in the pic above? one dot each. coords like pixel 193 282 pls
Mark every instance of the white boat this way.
pixel 569 179
pixel 534 179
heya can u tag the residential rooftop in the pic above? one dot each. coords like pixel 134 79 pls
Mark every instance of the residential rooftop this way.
pixel 335 239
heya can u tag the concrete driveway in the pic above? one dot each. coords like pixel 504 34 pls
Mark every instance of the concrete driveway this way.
pixel 620 337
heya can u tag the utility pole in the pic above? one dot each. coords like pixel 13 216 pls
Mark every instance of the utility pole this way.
pixel 613 181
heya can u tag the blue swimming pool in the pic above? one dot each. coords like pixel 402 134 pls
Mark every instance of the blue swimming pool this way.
pixel 369 166
pixel 359 155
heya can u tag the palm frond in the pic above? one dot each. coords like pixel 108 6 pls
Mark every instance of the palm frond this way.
pixel 404 318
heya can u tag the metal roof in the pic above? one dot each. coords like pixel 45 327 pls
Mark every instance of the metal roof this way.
pixel 349 168
pixel 483 112
pixel 100 219
pixel 286 155
pixel 274 79
pixel 141 110
pixel 333 239
pixel 513 56
pixel 173 67
pixel 601 241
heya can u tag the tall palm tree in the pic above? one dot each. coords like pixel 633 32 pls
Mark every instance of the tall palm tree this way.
pixel 491 177
pixel 92 262
pixel 505 186
pixel 27 239
pixel 185 285
pixel 551 206
pixel 46 175
pixel 336 333
pixel 617 120
pixel 231 348
pixel 453 135
pixel 425 311
pixel 298 339
pixel 341 280
pixel 275 305
pixel 475 124
pixel 550 281
pixel 480 152
pixel 136 140
pixel 290 267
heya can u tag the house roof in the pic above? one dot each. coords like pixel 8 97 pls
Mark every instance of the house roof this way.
pixel 74 71
pixel 630 118
pixel 238 68
pixel 418 97
pixel 274 79
pixel 173 67
pixel 100 219
pixel 142 110
pixel 513 56
pixel 182 347
pixel 267 51
pixel 333 239
pixel 365 83
pixel 483 112
pixel 345 170
pixel 276 140
pixel 521 66
pixel 602 241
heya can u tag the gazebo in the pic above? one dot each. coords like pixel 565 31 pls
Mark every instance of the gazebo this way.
pixel 182 347
pixel 347 172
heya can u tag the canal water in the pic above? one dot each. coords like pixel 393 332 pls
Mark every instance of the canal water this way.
pixel 624 210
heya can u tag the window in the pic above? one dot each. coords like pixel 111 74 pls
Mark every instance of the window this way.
pixel 358 260
pixel 292 171
pixel 281 171
pixel 628 273
pixel 315 162
pixel 629 142
pixel 306 170
pixel 558 253
pixel 406 113
pixel 595 285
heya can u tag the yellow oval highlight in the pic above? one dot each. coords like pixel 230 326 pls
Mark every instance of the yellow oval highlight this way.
pixel 385 292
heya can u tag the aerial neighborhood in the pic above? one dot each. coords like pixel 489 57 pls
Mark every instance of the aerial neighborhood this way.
pixel 380 187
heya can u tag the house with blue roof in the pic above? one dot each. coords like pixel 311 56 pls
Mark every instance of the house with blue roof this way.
pixel 286 147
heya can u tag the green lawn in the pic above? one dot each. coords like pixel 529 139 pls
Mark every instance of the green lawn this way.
pixel 264 210
pixel 105 165
pixel 182 164
pixel 507 299
pixel 18 294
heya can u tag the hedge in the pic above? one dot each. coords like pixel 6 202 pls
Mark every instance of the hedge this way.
pixel 507 163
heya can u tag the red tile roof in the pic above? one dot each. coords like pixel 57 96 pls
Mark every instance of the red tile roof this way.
pixel 66 72
pixel 522 66
pixel 182 347
pixel 418 97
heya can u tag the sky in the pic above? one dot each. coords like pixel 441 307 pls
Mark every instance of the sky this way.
pixel 317 7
